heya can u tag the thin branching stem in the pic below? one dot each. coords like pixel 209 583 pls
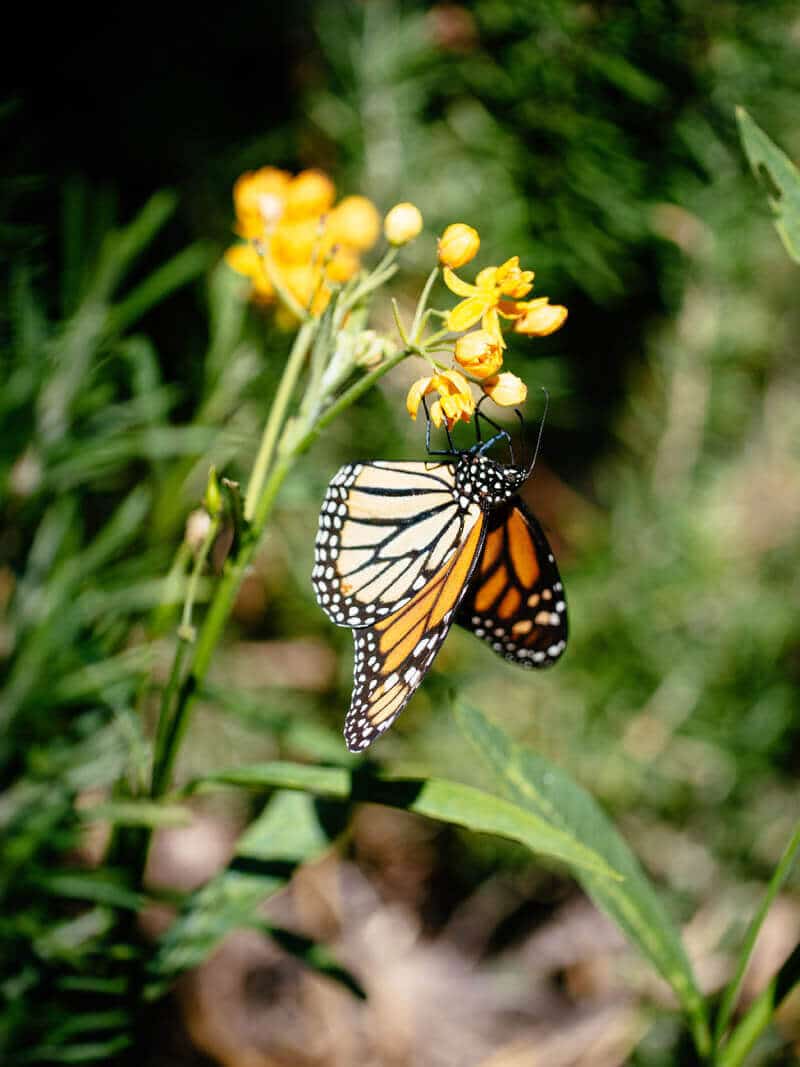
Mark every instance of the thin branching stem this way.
pixel 161 761
pixel 422 305
pixel 273 275
pixel 734 987
pixel 277 415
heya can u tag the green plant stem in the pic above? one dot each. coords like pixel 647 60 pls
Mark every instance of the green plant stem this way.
pixel 185 640
pixel 348 397
pixel 435 338
pixel 422 304
pixel 385 270
pixel 734 987
pixel 760 1013
pixel 399 322
pixel 277 415
pixel 277 283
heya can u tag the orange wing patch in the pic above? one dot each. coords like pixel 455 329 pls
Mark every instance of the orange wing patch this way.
pixel 515 601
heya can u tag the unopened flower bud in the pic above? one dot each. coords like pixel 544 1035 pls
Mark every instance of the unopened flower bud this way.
pixel 458 245
pixel 402 224
pixel 540 318
pixel 198 525
pixel 370 348
pixel 505 389
pixel 355 222
pixel 479 353
pixel 213 497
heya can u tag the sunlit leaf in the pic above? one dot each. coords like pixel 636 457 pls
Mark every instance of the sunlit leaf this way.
pixel 447 801
pixel 780 178
pixel 541 788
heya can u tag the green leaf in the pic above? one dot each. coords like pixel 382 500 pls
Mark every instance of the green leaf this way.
pixel 115 1019
pixel 287 830
pixel 179 270
pixel 446 801
pixel 73 938
pixel 761 1012
pixel 779 175
pixel 541 788
pixel 732 990
pixel 95 886
pixel 85 1052
pixel 137 813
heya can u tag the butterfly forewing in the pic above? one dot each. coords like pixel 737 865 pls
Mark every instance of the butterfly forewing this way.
pixel 395 549
pixel 515 600
pixel 384 530
pixel 405 549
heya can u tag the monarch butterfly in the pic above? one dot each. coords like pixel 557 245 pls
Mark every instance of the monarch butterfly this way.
pixel 404 549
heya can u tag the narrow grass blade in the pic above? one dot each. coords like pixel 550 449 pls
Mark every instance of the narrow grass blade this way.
pixel 734 987
pixel 776 171
pixel 760 1013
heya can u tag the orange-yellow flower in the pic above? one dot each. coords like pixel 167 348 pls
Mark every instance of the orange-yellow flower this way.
pixel 538 318
pixel 505 389
pixel 245 260
pixel 455 399
pixel 308 244
pixel 402 224
pixel 458 245
pixel 258 197
pixel 310 193
pixel 482 300
pixel 296 240
pixel 479 354
pixel 355 222
pixel 342 264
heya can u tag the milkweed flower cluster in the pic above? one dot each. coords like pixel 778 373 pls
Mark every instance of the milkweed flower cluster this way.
pixel 497 294
pixel 297 237
pixel 299 246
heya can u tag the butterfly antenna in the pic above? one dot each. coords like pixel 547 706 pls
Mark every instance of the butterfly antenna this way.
pixel 541 429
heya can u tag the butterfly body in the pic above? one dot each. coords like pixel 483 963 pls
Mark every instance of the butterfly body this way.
pixel 404 549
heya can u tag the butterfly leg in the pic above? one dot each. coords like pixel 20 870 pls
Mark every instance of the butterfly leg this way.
pixel 481 445
pixel 451 450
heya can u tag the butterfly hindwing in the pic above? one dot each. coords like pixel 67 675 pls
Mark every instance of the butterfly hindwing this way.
pixel 515 600
pixel 393 656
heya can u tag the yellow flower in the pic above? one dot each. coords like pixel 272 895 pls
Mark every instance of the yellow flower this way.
pixel 310 193
pixel 402 224
pixel 311 244
pixel 458 245
pixel 455 398
pixel 505 389
pixel 245 260
pixel 355 222
pixel 486 296
pixel 342 264
pixel 305 284
pixel 295 241
pixel 479 354
pixel 539 317
pixel 258 199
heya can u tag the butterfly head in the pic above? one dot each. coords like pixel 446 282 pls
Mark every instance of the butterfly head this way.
pixel 487 482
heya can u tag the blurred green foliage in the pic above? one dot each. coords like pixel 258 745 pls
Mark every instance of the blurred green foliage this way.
pixel 598 142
